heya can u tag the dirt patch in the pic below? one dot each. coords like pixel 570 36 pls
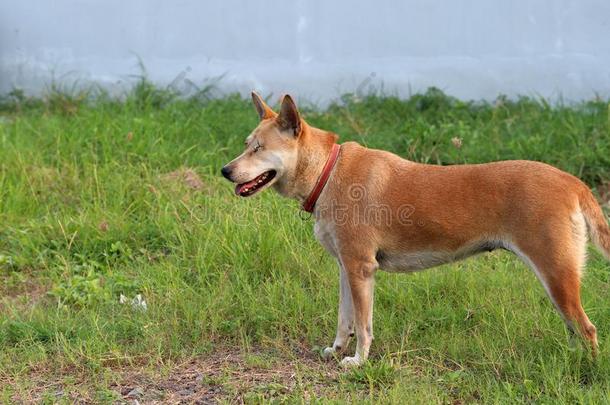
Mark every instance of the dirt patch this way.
pixel 224 376
pixel 45 384
pixel 22 291
pixel 50 184
pixel 233 376
pixel 186 177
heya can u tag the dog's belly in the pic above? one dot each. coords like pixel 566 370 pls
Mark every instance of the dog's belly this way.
pixel 415 261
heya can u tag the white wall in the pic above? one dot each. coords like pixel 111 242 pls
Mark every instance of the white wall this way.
pixel 315 49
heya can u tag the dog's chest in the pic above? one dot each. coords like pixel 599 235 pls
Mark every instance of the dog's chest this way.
pixel 326 234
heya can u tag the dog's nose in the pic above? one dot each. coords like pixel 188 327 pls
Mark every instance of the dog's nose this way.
pixel 226 172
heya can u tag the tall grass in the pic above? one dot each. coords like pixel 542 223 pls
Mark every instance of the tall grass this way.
pixel 95 203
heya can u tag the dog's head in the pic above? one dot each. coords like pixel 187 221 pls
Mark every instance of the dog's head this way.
pixel 271 149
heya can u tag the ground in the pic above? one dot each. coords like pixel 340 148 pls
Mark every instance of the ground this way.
pixel 104 200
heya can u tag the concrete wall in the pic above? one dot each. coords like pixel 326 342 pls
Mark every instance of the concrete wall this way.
pixel 316 49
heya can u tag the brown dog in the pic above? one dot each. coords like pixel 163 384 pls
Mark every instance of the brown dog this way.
pixel 375 210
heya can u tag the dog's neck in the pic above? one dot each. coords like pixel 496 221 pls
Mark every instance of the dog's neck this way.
pixel 314 150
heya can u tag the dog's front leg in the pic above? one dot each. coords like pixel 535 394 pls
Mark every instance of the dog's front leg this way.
pixel 345 322
pixel 361 282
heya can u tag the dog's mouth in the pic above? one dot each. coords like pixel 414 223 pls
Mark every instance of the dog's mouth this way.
pixel 255 185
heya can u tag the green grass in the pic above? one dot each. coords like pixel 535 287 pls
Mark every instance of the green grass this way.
pixel 90 209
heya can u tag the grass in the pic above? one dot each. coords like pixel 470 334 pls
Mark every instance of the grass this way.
pixel 101 197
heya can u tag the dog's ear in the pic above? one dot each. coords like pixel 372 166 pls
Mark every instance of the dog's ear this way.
pixel 263 110
pixel 289 119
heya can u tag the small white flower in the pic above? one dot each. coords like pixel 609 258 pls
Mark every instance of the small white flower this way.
pixel 138 303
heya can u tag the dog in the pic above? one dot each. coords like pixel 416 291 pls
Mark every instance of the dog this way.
pixel 374 210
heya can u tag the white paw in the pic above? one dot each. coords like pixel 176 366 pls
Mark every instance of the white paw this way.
pixel 328 353
pixel 351 361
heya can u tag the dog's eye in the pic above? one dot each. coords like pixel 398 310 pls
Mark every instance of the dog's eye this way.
pixel 257 147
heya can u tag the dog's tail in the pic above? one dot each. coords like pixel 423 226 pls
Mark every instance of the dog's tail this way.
pixel 596 222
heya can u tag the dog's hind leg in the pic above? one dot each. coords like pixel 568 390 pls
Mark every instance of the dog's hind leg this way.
pixel 558 261
pixel 564 290
pixel 360 275
pixel 345 322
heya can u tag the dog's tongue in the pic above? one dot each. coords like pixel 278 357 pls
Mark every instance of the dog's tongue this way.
pixel 240 187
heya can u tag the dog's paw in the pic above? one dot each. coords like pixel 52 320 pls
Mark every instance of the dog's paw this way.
pixel 328 353
pixel 350 362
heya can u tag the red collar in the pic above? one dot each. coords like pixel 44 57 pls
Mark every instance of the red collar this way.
pixel 310 202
